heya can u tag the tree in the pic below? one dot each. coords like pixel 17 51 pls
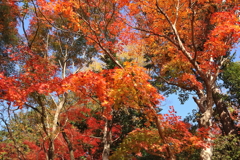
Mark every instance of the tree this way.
pixel 189 41
pixel 8 33
pixel 111 88
pixel 145 140
pixel 231 81
pixel 226 147
pixel 186 44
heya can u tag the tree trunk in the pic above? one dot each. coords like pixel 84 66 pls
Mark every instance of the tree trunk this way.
pixel 52 137
pixel 106 140
pixel 206 153
pixel 69 144
pixel 205 104
pixel 228 126
pixel 51 150
pixel 170 155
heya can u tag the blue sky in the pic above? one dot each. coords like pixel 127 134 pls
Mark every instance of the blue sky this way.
pixel 188 106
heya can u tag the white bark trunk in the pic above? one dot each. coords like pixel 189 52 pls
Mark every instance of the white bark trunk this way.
pixel 207 152
pixel 106 141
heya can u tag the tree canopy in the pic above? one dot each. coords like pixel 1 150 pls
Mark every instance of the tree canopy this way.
pixel 56 105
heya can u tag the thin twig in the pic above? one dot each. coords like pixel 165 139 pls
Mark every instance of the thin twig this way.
pixel 38 26
pixel 192 29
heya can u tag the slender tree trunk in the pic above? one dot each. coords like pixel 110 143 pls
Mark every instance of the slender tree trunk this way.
pixel 106 140
pixel 69 144
pixel 170 155
pixel 16 146
pixel 52 137
pixel 51 150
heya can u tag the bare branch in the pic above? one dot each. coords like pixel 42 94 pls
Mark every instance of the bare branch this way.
pixel 16 146
pixel 38 26
pixel 36 109
pixel 192 29
pixel 156 34
pixel 98 42
pixel 24 30
pixel 54 26
pixel 180 44
pixel 177 9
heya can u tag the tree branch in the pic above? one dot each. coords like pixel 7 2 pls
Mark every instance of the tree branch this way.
pixel 192 29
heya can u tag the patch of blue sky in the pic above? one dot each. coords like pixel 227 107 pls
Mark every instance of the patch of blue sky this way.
pixel 183 109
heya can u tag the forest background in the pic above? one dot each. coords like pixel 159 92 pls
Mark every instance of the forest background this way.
pixel 82 79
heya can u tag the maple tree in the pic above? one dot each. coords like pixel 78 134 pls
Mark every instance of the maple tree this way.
pixel 111 89
pixel 185 44
pixel 176 133
pixel 189 41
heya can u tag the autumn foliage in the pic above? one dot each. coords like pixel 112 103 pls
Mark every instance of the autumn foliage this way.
pixel 55 107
